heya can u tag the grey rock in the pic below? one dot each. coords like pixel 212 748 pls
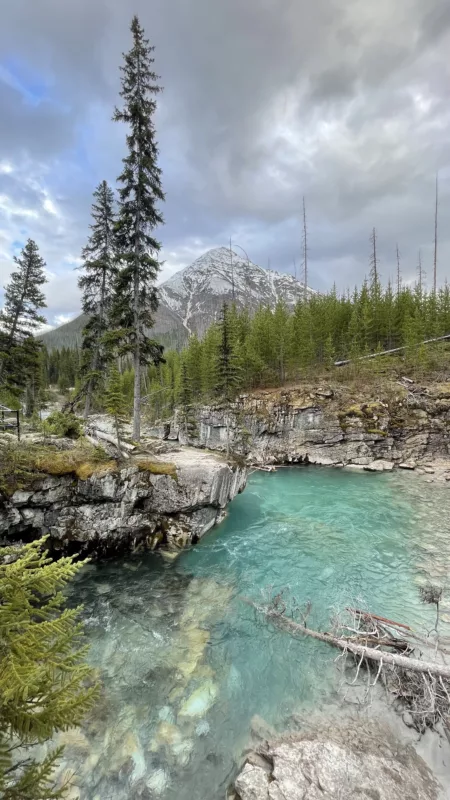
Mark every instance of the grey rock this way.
pixel 130 508
pixel 380 466
pixel 408 465
pixel 253 783
pixel 263 431
pixel 321 769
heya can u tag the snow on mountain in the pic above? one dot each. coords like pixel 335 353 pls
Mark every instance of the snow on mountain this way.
pixel 192 299
pixel 196 293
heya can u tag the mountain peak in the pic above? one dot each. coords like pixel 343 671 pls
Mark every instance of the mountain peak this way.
pixel 192 299
pixel 220 275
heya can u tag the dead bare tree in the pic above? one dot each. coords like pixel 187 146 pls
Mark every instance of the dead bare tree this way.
pixel 399 276
pixel 420 273
pixel 436 234
pixel 305 252
pixel 374 271
pixel 232 272
pixel 390 652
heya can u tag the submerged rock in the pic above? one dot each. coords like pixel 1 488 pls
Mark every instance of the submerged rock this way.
pixel 158 782
pixel 200 701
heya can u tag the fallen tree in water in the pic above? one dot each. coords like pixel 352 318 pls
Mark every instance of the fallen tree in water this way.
pixel 388 649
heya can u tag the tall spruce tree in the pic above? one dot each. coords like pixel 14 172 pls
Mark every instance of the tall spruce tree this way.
pixel 97 283
pixel 140 192
pixel 20 317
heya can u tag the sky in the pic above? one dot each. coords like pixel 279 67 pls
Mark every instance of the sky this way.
pixel 265 102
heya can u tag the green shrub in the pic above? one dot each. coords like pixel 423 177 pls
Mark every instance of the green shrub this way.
pixel 60 424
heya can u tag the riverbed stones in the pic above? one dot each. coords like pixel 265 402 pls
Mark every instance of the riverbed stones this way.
pixel 200 701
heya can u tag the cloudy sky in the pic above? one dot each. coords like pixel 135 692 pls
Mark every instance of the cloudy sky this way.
pixel 342 101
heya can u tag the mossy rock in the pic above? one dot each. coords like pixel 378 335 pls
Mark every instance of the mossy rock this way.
pixel 157 467
pixel 21 464
pixel 352 411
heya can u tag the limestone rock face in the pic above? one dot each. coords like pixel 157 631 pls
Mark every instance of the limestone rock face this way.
pixel 122 510
pixel 319 769
pixel 320 429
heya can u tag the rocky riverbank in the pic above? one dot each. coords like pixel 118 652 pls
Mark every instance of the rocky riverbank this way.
pixel 109 508
pixel 355 762
pixel 399 425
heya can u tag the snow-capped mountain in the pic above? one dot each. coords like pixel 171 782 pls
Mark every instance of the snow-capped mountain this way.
pixel 192 299
pixel 196 294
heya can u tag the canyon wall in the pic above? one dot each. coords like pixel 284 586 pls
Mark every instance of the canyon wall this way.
pixel 127 508
pixel 324 427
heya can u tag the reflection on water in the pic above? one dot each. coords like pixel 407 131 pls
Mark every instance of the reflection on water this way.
pixel 189 673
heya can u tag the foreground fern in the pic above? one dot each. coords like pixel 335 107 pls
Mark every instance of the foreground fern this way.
pixel 45 684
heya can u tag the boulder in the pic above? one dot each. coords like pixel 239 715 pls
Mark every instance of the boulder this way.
pixel 325 769
pixel 380 466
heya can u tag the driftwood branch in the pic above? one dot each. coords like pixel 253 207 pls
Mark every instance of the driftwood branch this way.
pixel 346 644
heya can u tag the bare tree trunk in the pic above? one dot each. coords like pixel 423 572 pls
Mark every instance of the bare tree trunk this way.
pixel 389 352
pixel 370 653
pixel 232 273
pixel 305 252
pixel 137 363
pixel 399 277
pixel 436 234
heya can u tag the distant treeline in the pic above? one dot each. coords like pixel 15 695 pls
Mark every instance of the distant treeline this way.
pixel 272 347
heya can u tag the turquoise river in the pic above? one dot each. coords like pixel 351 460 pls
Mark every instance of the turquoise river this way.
pixel 190 673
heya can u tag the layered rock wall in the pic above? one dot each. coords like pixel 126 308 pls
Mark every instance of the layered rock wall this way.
pixel 127 508
pixel 324 428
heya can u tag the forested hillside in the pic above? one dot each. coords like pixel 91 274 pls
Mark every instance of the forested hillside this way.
pixel 273 347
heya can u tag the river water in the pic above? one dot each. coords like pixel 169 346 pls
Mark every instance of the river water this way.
pixel 190 673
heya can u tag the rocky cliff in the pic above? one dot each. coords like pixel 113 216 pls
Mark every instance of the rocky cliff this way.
pixel 329 426
pixel 146 503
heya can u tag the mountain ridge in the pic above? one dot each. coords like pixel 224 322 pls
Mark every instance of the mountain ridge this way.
pixel 190 301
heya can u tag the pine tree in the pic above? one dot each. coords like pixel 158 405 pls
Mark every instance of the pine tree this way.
pixel 115 403
pixel 97 282
pixel 138 212
pixel 20 318
pixel 228 371
pixel 43 675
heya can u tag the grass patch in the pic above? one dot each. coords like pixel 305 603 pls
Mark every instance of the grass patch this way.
pixel 157 467
pixel 22 463
pixel 376 432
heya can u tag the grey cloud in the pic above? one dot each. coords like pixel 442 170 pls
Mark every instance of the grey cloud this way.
pixel 264 102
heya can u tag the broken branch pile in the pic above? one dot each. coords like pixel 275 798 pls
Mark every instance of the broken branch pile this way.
pixel 392 650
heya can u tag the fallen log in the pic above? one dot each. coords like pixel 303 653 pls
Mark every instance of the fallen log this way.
pixel 346 645
pixel 112 440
